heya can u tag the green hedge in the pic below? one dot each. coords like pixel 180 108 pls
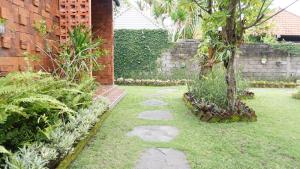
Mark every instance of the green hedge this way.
pixel 136 51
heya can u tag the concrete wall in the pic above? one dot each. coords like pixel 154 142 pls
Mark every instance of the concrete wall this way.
pixel 180 56
pixel 279 65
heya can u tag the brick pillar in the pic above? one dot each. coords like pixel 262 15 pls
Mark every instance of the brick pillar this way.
pixel 102 26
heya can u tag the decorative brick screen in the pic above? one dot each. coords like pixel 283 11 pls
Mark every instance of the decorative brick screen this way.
pixel 73 13
pixel 96 14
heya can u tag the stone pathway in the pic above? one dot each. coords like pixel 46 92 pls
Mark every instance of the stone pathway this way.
pixel 155 133
pixel 162 158
pixel 156 115
pixel 154 102
pixel 158 158
pixel 167 91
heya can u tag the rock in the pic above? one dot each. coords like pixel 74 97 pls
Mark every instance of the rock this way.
pixel 154 102
pixel 162 158
pixel 156 115
pixel 154 133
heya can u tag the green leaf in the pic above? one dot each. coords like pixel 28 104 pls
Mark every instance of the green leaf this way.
pixel 3 150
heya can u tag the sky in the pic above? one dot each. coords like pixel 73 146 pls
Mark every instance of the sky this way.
pixel 283 3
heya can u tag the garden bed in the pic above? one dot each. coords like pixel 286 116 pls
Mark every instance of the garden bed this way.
pixel 46 121
pixel 68 159
pixel 209 112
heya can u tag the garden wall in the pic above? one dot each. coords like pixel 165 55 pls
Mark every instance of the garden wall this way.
pixel 181 56
pixel 278 64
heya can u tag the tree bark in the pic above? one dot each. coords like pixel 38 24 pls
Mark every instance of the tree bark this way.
pixel 231 82
pixel 231 41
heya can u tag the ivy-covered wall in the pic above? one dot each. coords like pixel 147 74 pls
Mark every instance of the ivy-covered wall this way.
pixel 136 51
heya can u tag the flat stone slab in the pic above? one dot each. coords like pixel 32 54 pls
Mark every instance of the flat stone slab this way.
pixel 162 158
pixel 167 91
pixel 155 133
pixel 156 115
pixel 154 95
pixel 154 102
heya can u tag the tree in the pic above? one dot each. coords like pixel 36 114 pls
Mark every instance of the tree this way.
pixel 186 23
pixel 223 24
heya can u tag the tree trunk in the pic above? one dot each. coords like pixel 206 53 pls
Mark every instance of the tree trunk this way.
pixel 231 82
pixel 231 41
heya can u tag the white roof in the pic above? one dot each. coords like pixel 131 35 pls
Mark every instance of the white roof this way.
pixel 134 19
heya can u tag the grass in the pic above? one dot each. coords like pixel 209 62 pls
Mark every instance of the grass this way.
pixel 272 142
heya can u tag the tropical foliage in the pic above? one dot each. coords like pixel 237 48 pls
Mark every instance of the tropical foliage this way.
pixel 212 87
pixel 33 104
pixel 79 55
pixel 76 57
pixel 184 15
pixel 61 140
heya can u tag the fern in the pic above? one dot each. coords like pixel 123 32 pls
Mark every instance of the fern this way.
pixel 6 110
pixel 51 102
pixel 32 104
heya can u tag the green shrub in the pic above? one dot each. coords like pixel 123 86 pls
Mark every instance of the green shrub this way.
pixel 33 104
pixel 213 88
pixel 136 51
pixel 79 55
pixel 273 84
pixel 297 95
pixel 61 140
pixel 150 82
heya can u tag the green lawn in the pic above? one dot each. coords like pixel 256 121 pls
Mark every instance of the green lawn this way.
pixel 273 142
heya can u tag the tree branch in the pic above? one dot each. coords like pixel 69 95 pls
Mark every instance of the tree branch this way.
pixel 257 22
pixel 200 6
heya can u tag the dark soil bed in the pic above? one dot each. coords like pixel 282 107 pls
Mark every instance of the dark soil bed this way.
pixel 210 112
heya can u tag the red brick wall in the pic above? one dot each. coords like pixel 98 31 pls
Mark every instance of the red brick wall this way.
pixel 102 25
pixel 20 35
pixel 60 15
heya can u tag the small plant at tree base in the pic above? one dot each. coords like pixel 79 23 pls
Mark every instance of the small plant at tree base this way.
pixel 212 87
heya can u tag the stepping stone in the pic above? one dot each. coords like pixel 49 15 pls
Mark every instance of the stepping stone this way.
pixel 154 133
pixel 154 102
pixel 162 158
pixel 167 91
pixel 153 95
pixel 156 115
